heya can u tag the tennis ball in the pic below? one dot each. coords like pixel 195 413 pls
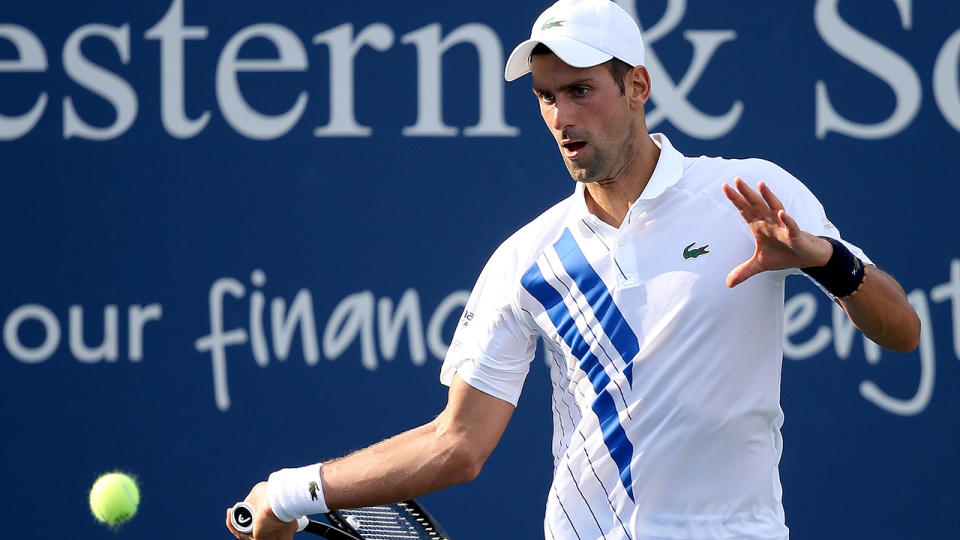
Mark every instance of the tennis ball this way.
pixel 114 498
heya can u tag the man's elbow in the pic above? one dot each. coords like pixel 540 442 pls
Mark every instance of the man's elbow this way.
pixel 463 456
pixel 908 338
pixel 463 464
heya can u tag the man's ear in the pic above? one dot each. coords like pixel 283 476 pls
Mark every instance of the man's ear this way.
pixel 637 87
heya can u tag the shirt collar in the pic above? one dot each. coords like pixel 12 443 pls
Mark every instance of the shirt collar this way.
pixel 667 173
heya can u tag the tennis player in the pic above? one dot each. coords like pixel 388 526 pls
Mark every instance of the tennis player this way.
pixel 657 288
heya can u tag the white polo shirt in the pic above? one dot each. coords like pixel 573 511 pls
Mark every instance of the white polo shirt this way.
pixel 666 401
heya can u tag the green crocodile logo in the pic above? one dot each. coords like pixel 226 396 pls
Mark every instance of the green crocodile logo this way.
pixel 550 24
pixel 314 488
pixel 694 253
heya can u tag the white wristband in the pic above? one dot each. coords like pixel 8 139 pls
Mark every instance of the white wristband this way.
pixel 294 493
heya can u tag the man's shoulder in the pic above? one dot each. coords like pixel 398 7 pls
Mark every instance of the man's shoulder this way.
pixel 706 172
pixel 707 166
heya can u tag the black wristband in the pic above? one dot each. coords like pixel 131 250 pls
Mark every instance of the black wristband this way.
pixel 843 273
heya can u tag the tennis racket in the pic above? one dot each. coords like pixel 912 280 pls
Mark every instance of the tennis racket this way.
pixel 398 521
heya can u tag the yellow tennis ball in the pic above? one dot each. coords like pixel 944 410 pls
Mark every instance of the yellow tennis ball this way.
pixel 114 498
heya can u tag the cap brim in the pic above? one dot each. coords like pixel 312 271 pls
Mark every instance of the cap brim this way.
pixel 571 51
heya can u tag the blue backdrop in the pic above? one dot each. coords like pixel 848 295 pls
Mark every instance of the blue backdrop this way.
pixel 237 236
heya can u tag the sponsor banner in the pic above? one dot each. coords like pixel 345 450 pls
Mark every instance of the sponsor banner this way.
pixel 238 238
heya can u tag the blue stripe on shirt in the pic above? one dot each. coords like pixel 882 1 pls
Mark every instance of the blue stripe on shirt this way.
pixel 601 301
pixel 614 436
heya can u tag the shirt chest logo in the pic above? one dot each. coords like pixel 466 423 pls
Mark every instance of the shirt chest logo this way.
pixel 690 252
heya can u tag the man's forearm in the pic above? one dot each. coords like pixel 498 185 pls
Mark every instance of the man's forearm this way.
pixel 447 451
pixel 881 311
pixel 408 465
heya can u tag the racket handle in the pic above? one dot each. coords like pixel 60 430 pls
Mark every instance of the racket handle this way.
pixel 241 517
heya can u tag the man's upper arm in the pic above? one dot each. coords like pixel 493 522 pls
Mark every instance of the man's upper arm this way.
pixel 478 418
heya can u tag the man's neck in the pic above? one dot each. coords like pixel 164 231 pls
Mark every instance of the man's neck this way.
pixel 610 200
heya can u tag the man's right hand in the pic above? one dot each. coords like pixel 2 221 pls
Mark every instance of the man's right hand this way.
pixel 266 526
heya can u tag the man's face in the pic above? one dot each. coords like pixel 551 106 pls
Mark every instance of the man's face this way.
pixel 588 116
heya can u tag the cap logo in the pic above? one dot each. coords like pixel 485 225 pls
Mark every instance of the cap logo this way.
pixel 551 23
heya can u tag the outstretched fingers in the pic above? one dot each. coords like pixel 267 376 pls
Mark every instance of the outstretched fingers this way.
pixel 785 220
pixel 774 230
pixel 738 201
pixel 772 201
pixel 752 205
pixel 759 206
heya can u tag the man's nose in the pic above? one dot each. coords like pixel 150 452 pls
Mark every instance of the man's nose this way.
pixel 563 116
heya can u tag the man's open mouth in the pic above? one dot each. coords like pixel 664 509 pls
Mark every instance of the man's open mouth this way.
pixel 572 149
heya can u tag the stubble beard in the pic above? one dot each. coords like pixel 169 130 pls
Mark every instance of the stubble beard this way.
pixel 604 164
pixel 590 171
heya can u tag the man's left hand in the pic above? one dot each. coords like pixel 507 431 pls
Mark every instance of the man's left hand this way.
pixel 781 244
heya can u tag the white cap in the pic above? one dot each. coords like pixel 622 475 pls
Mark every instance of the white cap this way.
pixel 583 33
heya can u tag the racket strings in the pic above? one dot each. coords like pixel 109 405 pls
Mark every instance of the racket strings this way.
pixel 391 522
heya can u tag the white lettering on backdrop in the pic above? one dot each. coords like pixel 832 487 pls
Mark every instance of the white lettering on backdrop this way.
pixel 359 317
pixel 377 327
pixel 888 66
pixel 344 44
pixel 671 97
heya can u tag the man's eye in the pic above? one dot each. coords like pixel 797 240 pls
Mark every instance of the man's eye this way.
pixel 580 91
pixel 547 98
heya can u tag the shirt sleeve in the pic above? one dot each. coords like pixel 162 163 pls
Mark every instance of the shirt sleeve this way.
pixel 492 347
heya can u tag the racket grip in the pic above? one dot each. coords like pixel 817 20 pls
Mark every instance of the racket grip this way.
pixel 241 517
